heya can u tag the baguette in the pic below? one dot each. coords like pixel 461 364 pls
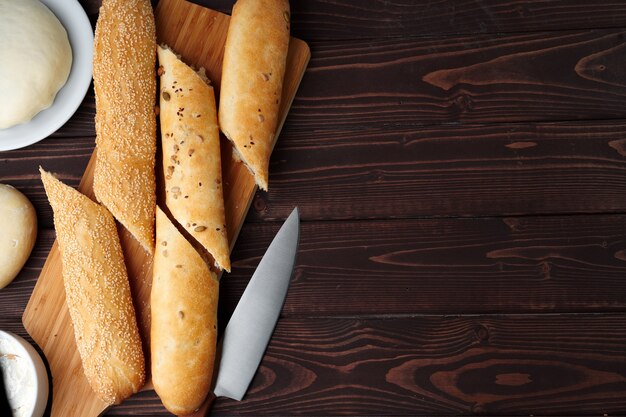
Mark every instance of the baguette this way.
pixel 97 293
pixel 183 329
pixel 190 140
pixel 255 57
pixel 125 89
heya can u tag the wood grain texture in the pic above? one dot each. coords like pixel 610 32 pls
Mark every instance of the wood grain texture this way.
pixel 434 366
pixel 543 264
pixel 399 172
pixel 505 365
pixel 345 19
pixel 461 79
pixel 427 266
pixel 365 19
pixel 461 170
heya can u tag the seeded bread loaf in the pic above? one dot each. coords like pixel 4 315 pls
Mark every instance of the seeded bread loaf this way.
pixel 192 164
pixel 97 293
pixel 125 86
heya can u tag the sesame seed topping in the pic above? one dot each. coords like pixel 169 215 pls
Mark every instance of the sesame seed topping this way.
pixel 124 44
pixel 97 292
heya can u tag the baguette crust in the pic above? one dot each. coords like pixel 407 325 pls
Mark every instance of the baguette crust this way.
pixel 190 140
pixel 255 58
pixel 183 331
pixel 125 89
pixel 97 293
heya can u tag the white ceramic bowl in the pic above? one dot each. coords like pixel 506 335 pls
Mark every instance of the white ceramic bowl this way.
pixel 31 368
pixel 68 99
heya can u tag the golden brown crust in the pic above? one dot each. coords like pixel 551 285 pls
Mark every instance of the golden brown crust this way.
pixel 255 57
pixel 97 293
pixel 191 155
pixel 183 330
pixel 125 88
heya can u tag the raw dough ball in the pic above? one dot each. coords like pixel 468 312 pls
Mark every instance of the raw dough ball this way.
pixel 18 223
pixel 35 59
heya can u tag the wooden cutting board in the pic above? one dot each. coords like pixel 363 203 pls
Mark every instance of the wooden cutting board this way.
pixel 198 35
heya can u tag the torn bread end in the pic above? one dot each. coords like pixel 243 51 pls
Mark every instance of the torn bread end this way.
pixel 201 72
pixel 220 267
pixel 237 156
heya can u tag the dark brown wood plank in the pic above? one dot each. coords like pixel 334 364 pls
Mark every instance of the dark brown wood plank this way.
pixel 528 365
pixel 448 266
pixel 503 169
pixel 346 19
pixel 428 266
pixel 481 78
pixel 548 364
pixel 367 19
pixel 472 170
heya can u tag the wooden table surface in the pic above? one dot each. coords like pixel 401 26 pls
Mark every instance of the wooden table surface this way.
pixel 460 167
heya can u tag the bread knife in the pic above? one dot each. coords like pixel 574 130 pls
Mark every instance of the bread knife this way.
pixel 251 326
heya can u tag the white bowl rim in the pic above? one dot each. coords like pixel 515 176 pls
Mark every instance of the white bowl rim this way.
pixel 69 98
pixel 37 367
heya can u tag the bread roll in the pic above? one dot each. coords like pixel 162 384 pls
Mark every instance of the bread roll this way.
pixel 184 321
pixel 18 223
pixel 125 86
pixel 192 164
pixel 255 57
pixel 97 293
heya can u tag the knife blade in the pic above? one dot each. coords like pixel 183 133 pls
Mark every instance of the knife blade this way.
pixel 250 328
